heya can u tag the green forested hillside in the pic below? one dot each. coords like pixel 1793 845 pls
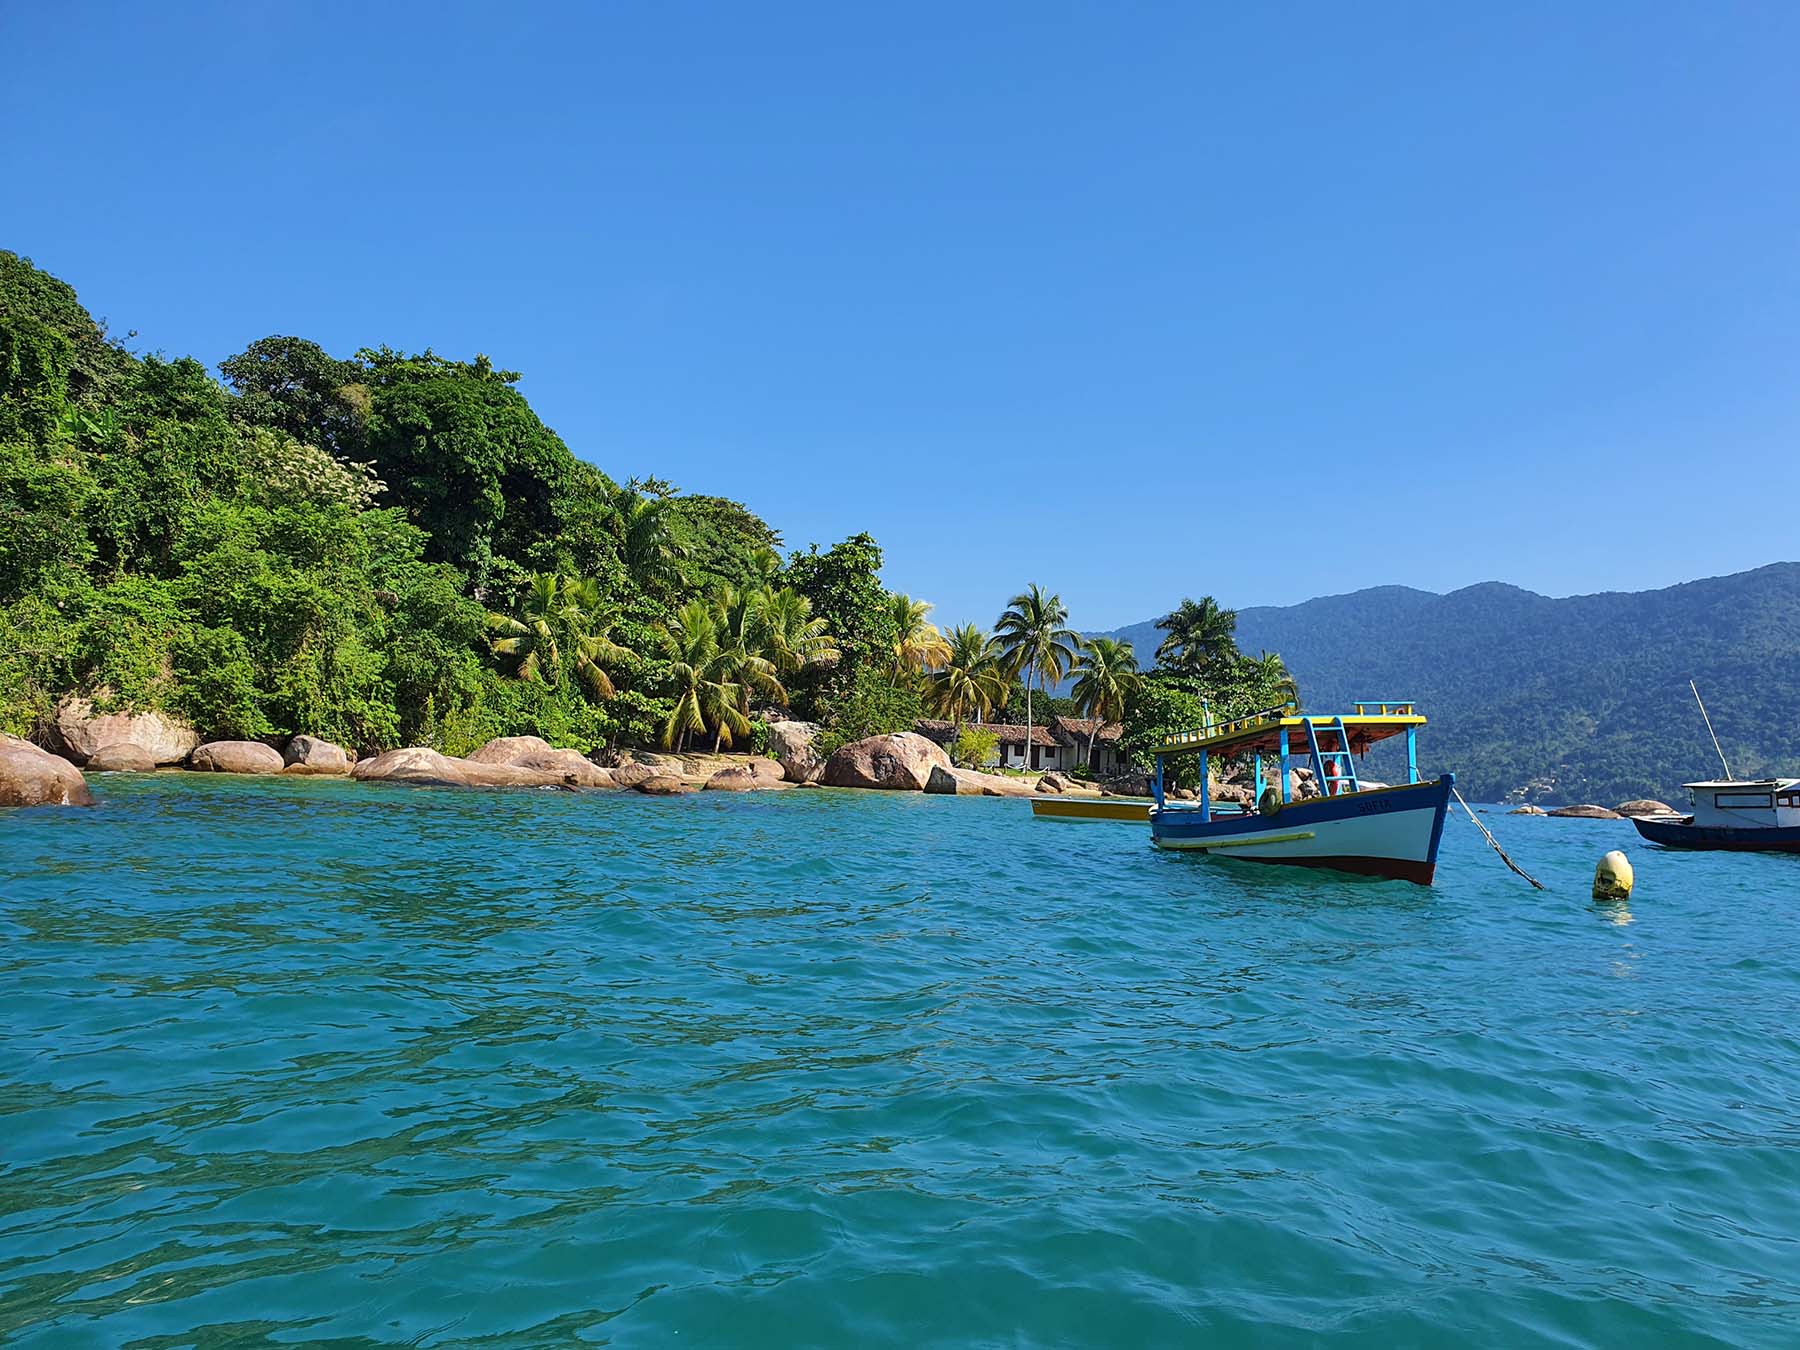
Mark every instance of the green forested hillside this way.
pixel 383 548
pixel 1578 699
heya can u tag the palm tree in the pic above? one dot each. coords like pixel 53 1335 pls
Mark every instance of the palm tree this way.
pixel 970 681
pixel 917 643
pixel 1107 677
pixel 796 638
pixel 648 546
pixel 700 672
pixel 1198 634
pixel 1032 642
pixel 560 612
pixel 532 636
pixel 589 621
pixel 1273 670
pixel 744 647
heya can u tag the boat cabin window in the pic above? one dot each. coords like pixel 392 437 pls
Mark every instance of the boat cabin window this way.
pixel 1788 799
pixel 1744 801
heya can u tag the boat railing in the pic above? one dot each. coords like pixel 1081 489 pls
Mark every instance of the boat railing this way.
pixel 1384 708
pixel 1213 730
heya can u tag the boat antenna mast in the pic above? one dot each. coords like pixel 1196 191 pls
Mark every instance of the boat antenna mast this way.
pixel 1709 728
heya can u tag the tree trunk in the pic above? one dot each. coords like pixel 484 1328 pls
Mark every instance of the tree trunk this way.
pixel 1093 736
pixel 1028 723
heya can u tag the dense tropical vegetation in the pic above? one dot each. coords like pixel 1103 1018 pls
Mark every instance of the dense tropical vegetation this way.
pixel 390 549
pixel 1013 672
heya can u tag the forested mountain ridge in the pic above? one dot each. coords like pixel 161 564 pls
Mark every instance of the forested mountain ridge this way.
pixel 1558 700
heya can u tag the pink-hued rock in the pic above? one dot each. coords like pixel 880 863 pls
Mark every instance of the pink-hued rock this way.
pixel 79 733
pixel 416 764
pixel 631 775
pixel 235 757
pixel 309 754
pixel 121 758
pixel 973 783
pixel 534 752
pixel 663 785
pixel 767 771
pixel 1586 812
pixel 30 776
pixel 423 767
pixel 1645 806
pixel 738 778
pixel 793 745
pixel 901 762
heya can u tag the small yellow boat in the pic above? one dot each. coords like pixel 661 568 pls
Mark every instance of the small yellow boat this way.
pixel 1092 808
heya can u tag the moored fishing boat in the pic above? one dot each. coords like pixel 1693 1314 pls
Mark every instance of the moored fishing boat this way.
pixel 1376 831
pixel 1749 815
pixel 1127 809
pixel 1760 815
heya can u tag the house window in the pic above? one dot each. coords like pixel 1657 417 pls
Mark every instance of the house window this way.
pixel 1743 801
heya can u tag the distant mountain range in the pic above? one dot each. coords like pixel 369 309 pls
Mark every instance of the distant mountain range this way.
pixel 1572 700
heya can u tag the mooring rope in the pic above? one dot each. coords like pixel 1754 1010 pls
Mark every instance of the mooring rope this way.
pixel 1495 843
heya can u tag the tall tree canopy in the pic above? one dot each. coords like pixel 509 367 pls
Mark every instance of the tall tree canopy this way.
pixel 1198 633
pixel 316 545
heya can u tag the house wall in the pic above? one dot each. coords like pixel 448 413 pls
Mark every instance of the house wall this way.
pixel 1049 757
pixel 1104 764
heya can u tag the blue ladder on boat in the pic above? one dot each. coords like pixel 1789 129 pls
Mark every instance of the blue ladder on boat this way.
pixel 1344 780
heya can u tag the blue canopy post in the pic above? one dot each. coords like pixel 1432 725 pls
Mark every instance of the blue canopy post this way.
pixel 1284 766
pixel 1156 786
pixel 1205 788
pixel 1258 777
pixel 1412 754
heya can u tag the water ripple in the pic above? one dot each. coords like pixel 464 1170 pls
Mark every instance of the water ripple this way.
pixel 307 1060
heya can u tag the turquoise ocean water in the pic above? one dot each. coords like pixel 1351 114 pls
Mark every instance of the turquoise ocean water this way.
pixel 286 1061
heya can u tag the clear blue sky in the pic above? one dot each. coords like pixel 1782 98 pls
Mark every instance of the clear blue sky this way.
pixel 1503 291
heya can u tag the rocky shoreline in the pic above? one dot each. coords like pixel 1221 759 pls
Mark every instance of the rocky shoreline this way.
pixel 79 739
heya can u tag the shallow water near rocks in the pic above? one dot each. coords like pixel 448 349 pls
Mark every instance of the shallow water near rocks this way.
pixel 312 1060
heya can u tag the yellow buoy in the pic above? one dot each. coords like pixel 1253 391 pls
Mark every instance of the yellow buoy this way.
pixel 1612 877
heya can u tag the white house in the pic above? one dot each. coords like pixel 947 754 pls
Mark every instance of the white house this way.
pixel 1061 743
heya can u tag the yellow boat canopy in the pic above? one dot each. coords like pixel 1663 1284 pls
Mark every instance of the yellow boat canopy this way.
pixel 1261 733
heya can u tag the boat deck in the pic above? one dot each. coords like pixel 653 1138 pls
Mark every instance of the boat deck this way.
pixel 1261 733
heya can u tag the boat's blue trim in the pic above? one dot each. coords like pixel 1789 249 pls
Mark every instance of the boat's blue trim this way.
pixel 1437 830
pixel 1176 823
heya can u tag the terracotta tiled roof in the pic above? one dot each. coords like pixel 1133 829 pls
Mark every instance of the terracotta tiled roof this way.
pixel 1005 733
pixel 1080 728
